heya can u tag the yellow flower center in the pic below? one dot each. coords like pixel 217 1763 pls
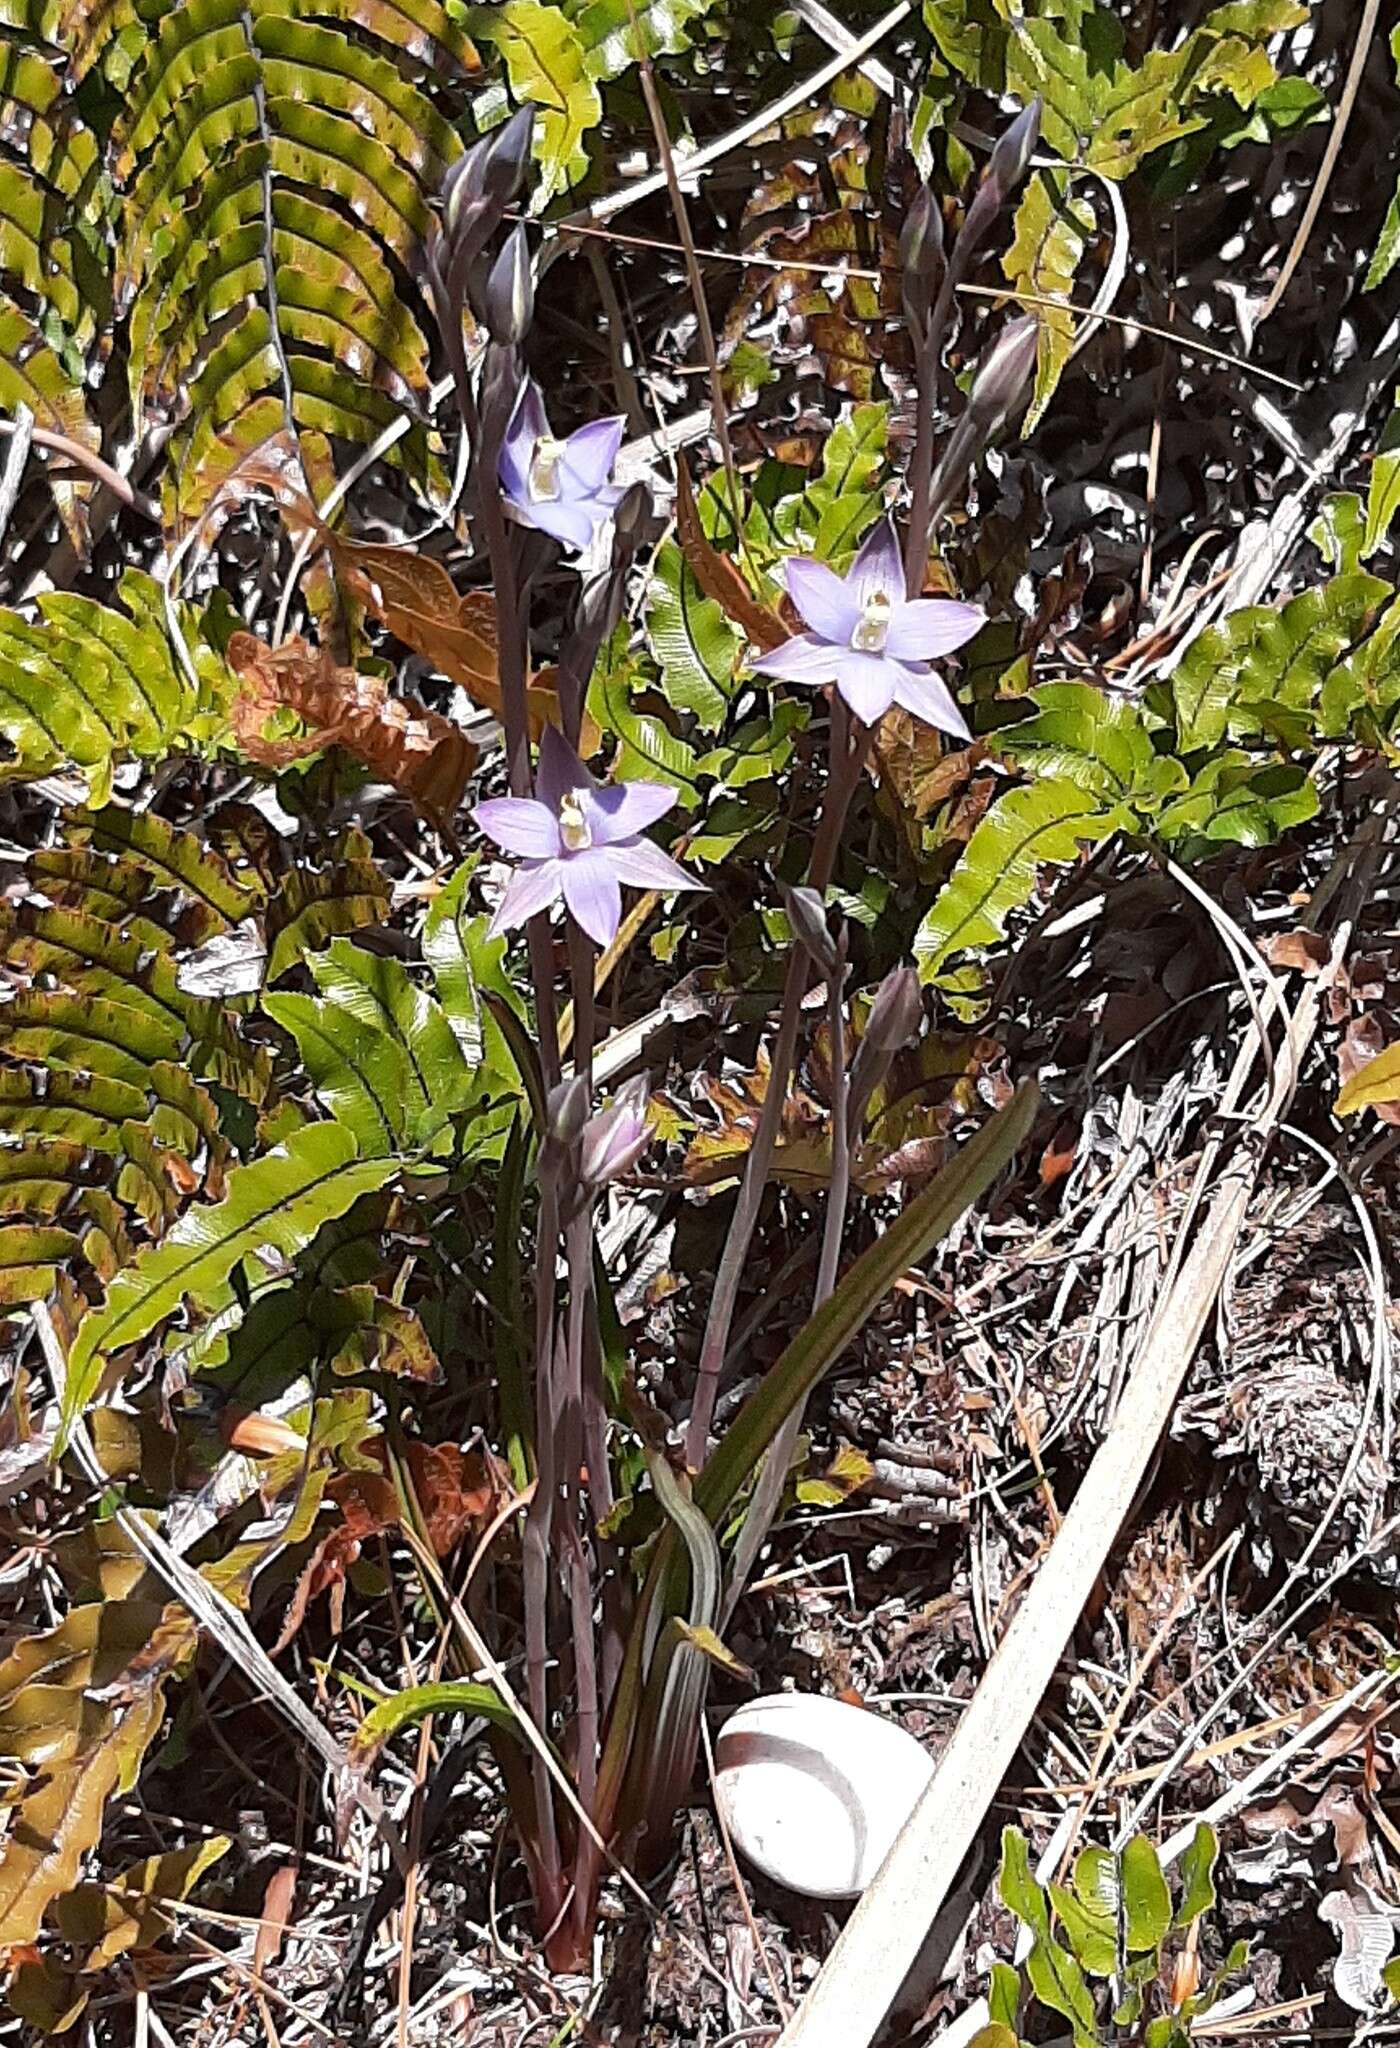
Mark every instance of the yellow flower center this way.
pixel 873 626
pixel 544 467
pixel 573 825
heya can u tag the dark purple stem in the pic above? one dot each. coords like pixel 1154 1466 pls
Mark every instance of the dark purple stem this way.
pixel 847 757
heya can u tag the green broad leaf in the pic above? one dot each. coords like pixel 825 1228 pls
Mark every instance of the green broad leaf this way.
pixel 547 61
pixel 1337 531
pixel 1100 742
pixel 695 646
pixel 1166 2032
pixel 466 963
pixel 1147 1905
pixel 1390 1977
pixel 1004 1997
pixel 1237 801
pixel 1027 829
pixel 608 30
pixel 381 1053
pixel 1093 1937
pixel 1383 496
pixel 274 1207
pixel 1197 1876
pixel 829 517
pixel 1387 250
pixel 1264 671
pixel 1058 1982
pixel 647 748
pixel 1096 1881
pixel 1052 230
pixel 995 2035
pixel 1021 1893
pixel 416 1702
pixel 824 1338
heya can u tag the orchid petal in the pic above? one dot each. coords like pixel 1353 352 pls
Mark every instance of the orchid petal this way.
pixel 803 659
pixel 558 770
pixel 531 889
pixel 519 825
pixel 928 627
pixel 592 893
pixel 878 570
pixel 867 682
pixel 570 523
pixel 589 454
pixel 825 603
pixel 623 809
pixel 928 697
pixel 527 423
pixel 644 866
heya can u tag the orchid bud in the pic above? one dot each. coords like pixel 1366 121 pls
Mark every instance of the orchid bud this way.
pixel 507 154
pixel 508 298
pixel 894 1019
pixel 806 913
pixel 1004 373
pixel 1010 159
pixel 615 1139
pixel 895 1014
pixel 566 1112
pixel 921 254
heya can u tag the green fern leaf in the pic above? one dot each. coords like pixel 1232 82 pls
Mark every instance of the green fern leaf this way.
pixel 696 647
pixel 608 30
pixel 1027 829
pixel 315 905
pixel 31 1259
pixel 276 1204
pixel 88 685
pixel 546 61
pixel 275 169
pixel 1265 671
pixel 380 1052
pixel 1100 742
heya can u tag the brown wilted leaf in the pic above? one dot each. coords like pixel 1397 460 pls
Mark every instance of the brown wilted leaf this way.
pixel 457 1490
pixel 1302 952
pixel 422 754
pixel 917 767
pixel 720 576
pixel 414 596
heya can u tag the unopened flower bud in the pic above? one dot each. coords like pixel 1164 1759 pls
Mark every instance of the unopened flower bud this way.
pixel 566 1111
pixel 508 299
pixel 806 913
pixel 615 1139
pixel 1010 159
pixel 1004 373
pixel 895 1016
pixel 507 154
pixel 921 254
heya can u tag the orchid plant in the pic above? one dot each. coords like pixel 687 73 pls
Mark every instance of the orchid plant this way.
pixel 617 1640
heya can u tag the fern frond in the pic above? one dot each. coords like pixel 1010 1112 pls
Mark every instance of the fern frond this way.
pixel 276 165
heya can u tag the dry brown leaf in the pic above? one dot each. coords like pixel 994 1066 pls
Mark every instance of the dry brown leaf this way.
pixel 422 754
pixel 1303 952
pixel 457 1490
pixel 720 576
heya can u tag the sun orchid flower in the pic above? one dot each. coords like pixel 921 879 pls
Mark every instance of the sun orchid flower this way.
pixel 562 487
pixel 869 640
pixel 579 839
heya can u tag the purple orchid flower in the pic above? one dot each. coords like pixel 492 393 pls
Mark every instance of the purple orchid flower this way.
pixel 615 1139
pixel 561 487
pixel 871 641
pixel 578 839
